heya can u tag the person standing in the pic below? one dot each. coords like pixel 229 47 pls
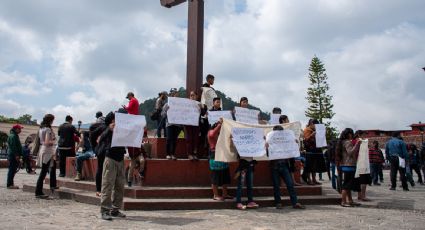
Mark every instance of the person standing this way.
pixel 113 174
pixel 173 131
pixel 95 131
pixel 280 169
pixel 160 102
pixel 192 133
pixel 66 143
pixel 415 162
pixel 315 161
pixel 376 159
pixel 14 153
pixel 47 155
pixel 396 149
pixel 99 117
pixel 133 104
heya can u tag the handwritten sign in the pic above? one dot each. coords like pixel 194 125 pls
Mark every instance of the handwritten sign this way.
pixel 249 141
pixel 183 111
pixel 249 116
pixel 128 130
pixel 208 94
pixel 274 119
pixel 214 116
pixel 320 135
pixel 282 145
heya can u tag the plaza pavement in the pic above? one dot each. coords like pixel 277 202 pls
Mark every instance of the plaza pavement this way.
pixel 388 210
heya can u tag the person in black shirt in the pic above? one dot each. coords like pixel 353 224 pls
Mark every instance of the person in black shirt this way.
pixel 66 143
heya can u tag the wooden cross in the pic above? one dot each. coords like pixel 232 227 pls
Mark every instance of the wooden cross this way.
pixel 195 42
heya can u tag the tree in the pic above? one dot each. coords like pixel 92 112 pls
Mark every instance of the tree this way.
pixel 318 98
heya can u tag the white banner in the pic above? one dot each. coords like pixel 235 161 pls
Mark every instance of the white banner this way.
pixel 249 141
pixel 214 116
pixel 274 119
pixel 208 94
pixel 320 135
pixel 249 116
pixel 128 130
pixel 363 165
pixel 183 111
pixel 282 145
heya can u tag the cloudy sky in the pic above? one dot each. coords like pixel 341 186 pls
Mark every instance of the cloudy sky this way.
pixel 78 57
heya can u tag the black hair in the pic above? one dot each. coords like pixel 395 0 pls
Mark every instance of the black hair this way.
pixel 277 128
pixel 209 76
pixel 99 114
pixel 47 121
pixel 243 99
pixel 216 98
pixel 344 136
pixel 276 110
pixel 396 134
pixel 109 118
pixel 68 118
pixel 282 118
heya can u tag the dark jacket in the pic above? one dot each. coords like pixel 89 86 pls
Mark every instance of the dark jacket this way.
pixel 104 147
pixel 66 135
pixel 15 147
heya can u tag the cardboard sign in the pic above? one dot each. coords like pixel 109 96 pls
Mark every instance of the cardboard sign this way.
pixel 282 145
pixel 320 135
pixel 128 130
pixel 183 111
pixel 249 116
pixel 249 141
pixel 214 116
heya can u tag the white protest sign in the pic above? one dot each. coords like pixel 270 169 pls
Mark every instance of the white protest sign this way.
pixel 249 141
pixel 249 116
pixel 320 135
pixel 363 165
pixel 214 116
pixel 274 119
pixel 207 97
pixel 282 145
pixel 128 130
pixel 183 111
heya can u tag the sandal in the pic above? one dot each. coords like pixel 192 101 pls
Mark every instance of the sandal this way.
pixel 218 198
pixel 346 205
pixel 298 206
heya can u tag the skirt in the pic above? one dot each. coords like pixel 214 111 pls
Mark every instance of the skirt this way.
pixel 365 179
pixel 220 177
pixel 349 182
pixel 315 163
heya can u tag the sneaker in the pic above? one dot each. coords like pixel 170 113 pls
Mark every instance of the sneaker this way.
pixel 190 157
pixel 173 157
pixel 279 206
pixel 252 204
pixel 78 177
pixel 298 206
pixel 41 196
pixel 392 188
pixel 168 157
pixel 12 187
pixel 240 206
pixel 61 175
pixel 117 214
pixel 106 216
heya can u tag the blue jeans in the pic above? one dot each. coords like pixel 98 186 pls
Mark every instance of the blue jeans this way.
pixel 281 170
pixel 248 178
pixel 374 172
pixel 81 157
pixel 13 166
pixel 333 176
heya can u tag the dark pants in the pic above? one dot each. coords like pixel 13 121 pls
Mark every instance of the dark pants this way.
pixel 248 179
pixel 192 139
pixel 416 168
pixel 172 135
pixel 393 174
pixel 63 154
pixel 374 172
pixel 100 160
pixel 45 168
pixel 13 166
pixel 333 176
pixel 381 174
pixel 281 170
pixel 161 126
pixel 27 162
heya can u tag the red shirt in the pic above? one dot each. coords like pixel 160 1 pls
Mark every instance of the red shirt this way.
pixel 213 136
pixel 133 106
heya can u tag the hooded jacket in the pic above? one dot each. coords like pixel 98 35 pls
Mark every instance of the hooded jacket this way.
pixel 15 147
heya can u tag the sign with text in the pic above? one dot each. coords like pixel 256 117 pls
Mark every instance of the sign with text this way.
pixel 320 135
pixel 183 111
pixel 249 116
pixel 214 116
pixel 249 141
pixel 282 145
pixel 128 130
pixel 274 119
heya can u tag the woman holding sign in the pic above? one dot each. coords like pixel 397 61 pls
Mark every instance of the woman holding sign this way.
pixel 192 133
pixel 315 162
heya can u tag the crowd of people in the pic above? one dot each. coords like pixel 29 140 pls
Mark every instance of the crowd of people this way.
pixel 340 159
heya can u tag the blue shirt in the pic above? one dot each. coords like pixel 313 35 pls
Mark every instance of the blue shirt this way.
pixel 396 148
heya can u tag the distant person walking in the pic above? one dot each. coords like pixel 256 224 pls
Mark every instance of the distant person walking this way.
pixel 396 149
pixel 47 155
pixel 14 153
pixel 66 143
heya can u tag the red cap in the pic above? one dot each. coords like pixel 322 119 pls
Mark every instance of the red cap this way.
pixel 17 126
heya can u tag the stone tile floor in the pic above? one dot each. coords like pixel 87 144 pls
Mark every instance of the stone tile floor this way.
pixel 388 210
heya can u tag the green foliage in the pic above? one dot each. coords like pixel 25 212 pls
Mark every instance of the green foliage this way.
pixel 320 102
pixel 24 119
pixel 148 106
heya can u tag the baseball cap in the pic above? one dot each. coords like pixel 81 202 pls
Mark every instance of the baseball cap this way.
pixel 17 126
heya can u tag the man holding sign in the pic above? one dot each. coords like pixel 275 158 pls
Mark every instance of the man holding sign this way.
pixel 281 146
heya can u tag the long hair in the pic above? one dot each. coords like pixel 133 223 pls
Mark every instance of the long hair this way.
pixel 47 121
pixel 344 136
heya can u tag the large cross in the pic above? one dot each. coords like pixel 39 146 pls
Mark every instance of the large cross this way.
pixel 195 42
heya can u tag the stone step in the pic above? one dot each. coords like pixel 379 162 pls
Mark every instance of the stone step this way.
pixel 328 197
pixel 184 192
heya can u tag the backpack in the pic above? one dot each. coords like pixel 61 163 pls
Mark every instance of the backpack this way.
pixel 155 115
pixel 37 144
